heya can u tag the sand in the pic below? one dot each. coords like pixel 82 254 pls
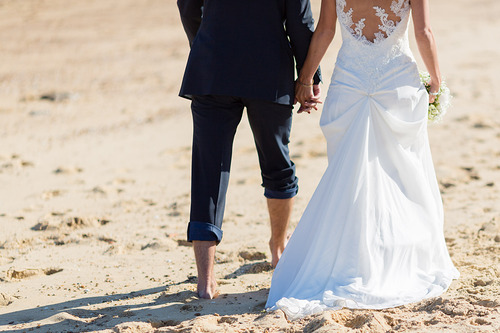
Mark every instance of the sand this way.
pixel 95 179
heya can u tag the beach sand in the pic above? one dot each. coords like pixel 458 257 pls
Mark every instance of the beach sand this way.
pixel 95 179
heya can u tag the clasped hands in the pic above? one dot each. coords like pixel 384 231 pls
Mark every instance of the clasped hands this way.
pixel 308 96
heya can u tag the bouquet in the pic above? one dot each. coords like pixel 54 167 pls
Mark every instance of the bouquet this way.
pixel 442 102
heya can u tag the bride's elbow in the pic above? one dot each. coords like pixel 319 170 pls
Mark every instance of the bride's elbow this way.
pixel 424 35
pixel 325 34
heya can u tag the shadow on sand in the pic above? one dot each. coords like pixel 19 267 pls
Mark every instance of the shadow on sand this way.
pixel 164 310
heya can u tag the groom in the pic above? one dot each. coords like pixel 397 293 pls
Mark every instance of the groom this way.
pixel 242 56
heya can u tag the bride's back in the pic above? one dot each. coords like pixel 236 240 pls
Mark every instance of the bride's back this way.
pixel 371 20
pixel 375 40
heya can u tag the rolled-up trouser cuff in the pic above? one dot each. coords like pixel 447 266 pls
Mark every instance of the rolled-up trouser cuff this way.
pixel 286 194
pixel 202 231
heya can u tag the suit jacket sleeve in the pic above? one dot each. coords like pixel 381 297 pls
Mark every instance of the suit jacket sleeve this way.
pixel 191 13
pixel 299 25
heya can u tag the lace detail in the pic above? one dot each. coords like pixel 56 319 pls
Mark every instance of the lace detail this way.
pixel 379 36
pixel 389 48
pixel 387 25
pixel 399 7
pixel 358 29
pixel 346 19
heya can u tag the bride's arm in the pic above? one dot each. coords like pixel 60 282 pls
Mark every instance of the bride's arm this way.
pixel 321 39
pixel 426 43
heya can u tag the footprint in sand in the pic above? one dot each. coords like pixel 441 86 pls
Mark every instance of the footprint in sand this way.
pixel 134 204
pixel 256 268
pixel 133 327
pixel 203 324
pixel 164 323
pixel 450 307
pixel 108 240
pixel 491 228
pixel 30 272
pixel 163 245
pixel 116 249
pixel 227 319
pixel 83 222
pixel 481 124
pixel 58 96
pixel 473 175
pixel 46 195
pixel 173 209
pixel 183 242
pixel 17 244
pixel 98 190
pixel 185 296
pixel 177 207
pixel 191 307
pixel 122 181
pixel 252 256
pixel 482 282
pixel 6 260
pixel 444 184
pixel 222 258
pixel 14 162
pixel 479 321
pixel 72 223
pixel 5 299
pixel 43 226
pixel 277 320
pixel 66 170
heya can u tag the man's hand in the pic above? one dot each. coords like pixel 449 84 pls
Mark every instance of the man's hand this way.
pixel 308 97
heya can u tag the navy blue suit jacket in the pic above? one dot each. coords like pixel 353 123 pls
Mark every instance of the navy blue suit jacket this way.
pixel 245 48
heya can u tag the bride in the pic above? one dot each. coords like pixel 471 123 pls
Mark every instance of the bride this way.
pixel 372 235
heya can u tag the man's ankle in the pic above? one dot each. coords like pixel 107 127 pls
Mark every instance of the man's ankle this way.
pixel 204 252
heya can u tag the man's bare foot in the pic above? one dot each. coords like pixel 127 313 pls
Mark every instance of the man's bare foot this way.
pixel 277 250
pixel 207 291
pixel 279 214
pixel 204 252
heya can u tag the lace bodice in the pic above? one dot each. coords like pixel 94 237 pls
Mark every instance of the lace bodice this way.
pixel 386 26
pixel 374 37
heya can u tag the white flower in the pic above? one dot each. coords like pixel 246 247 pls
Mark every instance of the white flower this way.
pixel 442 102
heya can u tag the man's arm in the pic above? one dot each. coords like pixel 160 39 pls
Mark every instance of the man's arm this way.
pixel 191 13
pixel 299 26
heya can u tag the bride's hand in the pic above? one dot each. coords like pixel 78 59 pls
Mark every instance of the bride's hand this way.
pixel 307 96
pixel 434 88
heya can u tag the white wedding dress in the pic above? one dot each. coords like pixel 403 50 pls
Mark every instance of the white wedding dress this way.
pixel 372 235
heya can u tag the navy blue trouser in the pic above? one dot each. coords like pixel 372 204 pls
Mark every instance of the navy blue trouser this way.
pixel 215 119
